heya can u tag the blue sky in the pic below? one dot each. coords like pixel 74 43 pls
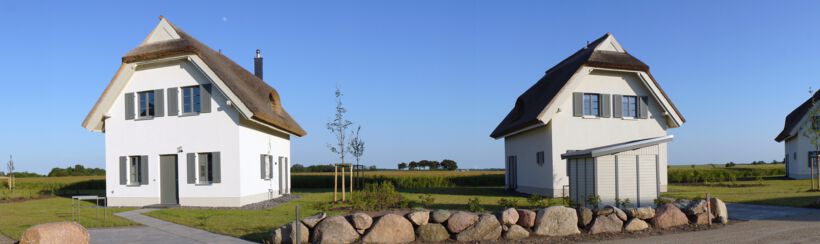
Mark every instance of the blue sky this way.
pixel 425 79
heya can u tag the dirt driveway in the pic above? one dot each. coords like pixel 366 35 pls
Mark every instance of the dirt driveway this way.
pixel 760 224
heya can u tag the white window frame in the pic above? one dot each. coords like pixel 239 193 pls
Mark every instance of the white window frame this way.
pixel 206 177
pixel 194 100
pixel 149 111
pixel 587 105
pixel 626 107
pixel 134 166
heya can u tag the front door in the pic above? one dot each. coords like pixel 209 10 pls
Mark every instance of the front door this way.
pixel 168 179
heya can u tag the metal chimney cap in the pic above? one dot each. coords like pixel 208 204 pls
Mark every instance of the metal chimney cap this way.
pixel 258 53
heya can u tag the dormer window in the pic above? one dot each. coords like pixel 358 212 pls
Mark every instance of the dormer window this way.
pixel 592 104
pixel 191 100
pixel 146 104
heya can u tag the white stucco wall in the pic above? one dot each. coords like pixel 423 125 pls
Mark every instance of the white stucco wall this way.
pixel 532 178
pixel 218 130
pixel 253 142
pixel 578 133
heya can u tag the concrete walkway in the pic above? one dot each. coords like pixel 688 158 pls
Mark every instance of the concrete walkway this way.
pixel 764 224
pixel 156 231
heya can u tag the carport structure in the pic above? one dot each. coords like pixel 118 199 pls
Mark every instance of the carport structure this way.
pixel 622 171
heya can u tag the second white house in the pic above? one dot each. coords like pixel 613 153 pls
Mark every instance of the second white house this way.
pixel 594 125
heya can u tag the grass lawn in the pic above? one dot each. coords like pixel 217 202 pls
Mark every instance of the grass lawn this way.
pixel 16 217
pixel 254 225
pixel 793 193
pixel 40 187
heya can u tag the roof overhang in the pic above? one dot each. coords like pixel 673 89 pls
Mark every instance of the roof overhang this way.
pixel 616 148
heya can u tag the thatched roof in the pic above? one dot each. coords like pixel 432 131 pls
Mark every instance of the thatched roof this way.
pixel 256 94
pixel 795 116
pixel 530 104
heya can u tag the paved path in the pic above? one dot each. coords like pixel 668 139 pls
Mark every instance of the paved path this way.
pixel 765 224
pixel 156 231
pixel 5 240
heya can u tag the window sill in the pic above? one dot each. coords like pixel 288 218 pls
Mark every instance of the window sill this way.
pixel 188 114
pixel 629 118
pixel 132 185
pixel 203 183
pixel 144 118
pixel 590 117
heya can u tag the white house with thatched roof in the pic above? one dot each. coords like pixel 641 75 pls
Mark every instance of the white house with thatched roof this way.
pixel 594 125
pixel 186 125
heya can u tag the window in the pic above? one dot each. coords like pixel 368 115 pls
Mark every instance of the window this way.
pixel 268 167
pixel 191 100
pixel 630 106
pixel 134 174
pixel 146 104
pixel 205 167
pixel 539 158
pixel 591 104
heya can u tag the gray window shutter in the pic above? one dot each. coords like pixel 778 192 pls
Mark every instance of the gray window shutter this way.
pixel 129 106
pixel 191 168
pixel 143 170
pixel 216 168
pixel 123 165
pixel 205 99
pixel 271 163
pixel 604 106
pixel 644 110
pixel 617 106
pixel 262 165
pixel 173 100
pixel 159 103
pixel 578 104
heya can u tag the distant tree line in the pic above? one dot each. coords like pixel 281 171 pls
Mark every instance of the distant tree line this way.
pixel 77 170
pixel 23 174
pixel 446 164
pixel 299 168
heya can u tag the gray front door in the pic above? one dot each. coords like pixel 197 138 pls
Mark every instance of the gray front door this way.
pixel 168 179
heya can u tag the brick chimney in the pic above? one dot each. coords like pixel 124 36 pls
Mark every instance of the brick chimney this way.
pixel 257 64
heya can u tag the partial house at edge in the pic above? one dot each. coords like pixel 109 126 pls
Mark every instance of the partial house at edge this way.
pixel 186 125
pixel 799 151
pixel 595 124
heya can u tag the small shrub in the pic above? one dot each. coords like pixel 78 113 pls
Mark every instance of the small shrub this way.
pixel 730 164
pixel 427 200
pixel 508 203
pixel 661 201
pixel 474 205
pixel 538 201
pixel 594 200
pixel 759 180
pixel 378 197
pixel 626 203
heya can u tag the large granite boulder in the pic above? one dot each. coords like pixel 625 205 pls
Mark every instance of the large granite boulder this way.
pixel 460 221
pixel 698 212
pixel 606 224
pixel 516 232
pixel 584 216
pixel 668 216
pixel 643 213
pixel 556 221
pixel 440 216
pixel 635 224
pixel 432 232
pixel 287 233
pixel 312 221
pixel 59 232
pixel 419 217
pixel 526 218
pixel 334 230
pixel 720 211
pixel 508 217
pixel 390 228
pixel 361 221
pixel 487 229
